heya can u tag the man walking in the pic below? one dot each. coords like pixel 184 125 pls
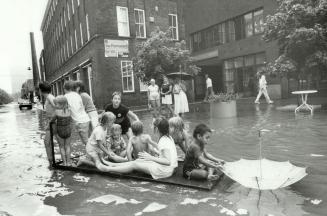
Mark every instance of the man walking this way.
pixel 209 91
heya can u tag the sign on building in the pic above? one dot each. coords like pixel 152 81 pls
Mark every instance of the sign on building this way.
pixel 115 48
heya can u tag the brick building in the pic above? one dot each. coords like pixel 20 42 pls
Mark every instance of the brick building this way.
pixel 225 39
pixel 95 41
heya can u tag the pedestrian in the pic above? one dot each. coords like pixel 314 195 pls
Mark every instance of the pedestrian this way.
pixel 62 119
pixel 50 108
pixel 88 104
pixel 263 90
pixel 122 113
pixel 166 97
pixel 80 117
pixel 181 103
pixel 154 98
pixel 209 90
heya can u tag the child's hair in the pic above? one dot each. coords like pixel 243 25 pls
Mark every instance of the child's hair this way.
pixel 137 128
pixel 106 117
pixel 79 84
pixel 69 85
pixel 61 101
pixel 200 129
pixel 116 93
pixel 156 122
pixel 176 124
pixel 115 127
pixel 163 127
pixel 45 87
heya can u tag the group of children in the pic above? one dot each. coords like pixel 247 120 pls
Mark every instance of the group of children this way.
pixel 107 150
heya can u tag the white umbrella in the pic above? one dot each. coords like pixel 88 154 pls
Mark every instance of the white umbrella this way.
pixel 263 174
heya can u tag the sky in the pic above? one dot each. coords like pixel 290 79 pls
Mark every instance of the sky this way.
pixel 17 19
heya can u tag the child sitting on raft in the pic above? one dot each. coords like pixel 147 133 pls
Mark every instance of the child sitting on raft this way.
pixel 140 142
pixel 198 163
pixel 178 133
pixel 63 120
pixel 95 147
pixel 116 144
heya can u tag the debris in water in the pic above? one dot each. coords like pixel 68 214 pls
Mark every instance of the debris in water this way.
pixel 315 201
pixel 152 207
pixel 196 201
pixel 106 199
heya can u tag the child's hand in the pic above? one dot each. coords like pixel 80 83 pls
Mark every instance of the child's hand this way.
pixel 145 156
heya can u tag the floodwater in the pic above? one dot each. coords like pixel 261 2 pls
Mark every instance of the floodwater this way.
pixel 28 187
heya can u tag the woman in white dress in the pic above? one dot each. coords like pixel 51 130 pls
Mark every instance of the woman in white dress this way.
pixel 180 98
pixel 158 167
pixel 154 98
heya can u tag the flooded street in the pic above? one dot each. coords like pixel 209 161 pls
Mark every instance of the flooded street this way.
pixel 28 187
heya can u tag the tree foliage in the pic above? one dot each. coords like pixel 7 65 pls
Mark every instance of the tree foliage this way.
pixel 4 97
pixel 300 28
pixel 160 55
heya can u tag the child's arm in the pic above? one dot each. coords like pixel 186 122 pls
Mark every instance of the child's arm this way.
pixel 207 163
pixel 52 102
pixel 129 149
pixel 212 158
pixel 133 116
pixel 187 141
pixel 151 142
pixel 100 144
pixel 164 160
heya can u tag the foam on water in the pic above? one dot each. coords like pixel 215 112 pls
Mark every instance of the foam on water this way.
pixel 242 211
pixel 196 201
pixel 106 199
pixel 227 211
pixel 80 178
pixel 317 155
pixel 152 207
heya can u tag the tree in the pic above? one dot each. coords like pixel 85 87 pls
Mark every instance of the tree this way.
pixel 4 97
pixel 300 28
pixel 160 55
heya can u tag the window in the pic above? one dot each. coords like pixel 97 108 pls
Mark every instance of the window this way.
pixel 62 26
pixel 222 33
pixel 71 44
pixel 73 10
pixel 122 21
pixel 248 24
pixel 65 18
pixel 139 23
pixel 127 76
pixel 67 48
pixel 173 25
pixel 143 86
pixel 81 31
pixel 68 12
pixel 76 39
pixel 231 30
pixel 78 2
pixel 258 21
pixel 87 26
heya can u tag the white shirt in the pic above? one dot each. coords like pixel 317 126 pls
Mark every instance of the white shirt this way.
pixel 263 82
pixel 98 134
pixel 153 91
pixel 76 107
pixel 168 143
pixel 209 82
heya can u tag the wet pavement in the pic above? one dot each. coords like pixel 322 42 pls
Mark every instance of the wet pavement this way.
pixel 28 187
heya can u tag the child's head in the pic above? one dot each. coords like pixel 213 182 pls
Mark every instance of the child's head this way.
pixel 69 85
pixel 61 101
pixel 163 127
pixel 202 133
pixel 176 125
pixel 79 86
pixel 137 128
pixel 115 130
pixel 45 88
pixel 107 119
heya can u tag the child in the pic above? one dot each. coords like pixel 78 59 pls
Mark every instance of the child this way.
pixel 95 147
pixel 197 155
pixel 116 144
pixel 178 133
pixel 63 121
pixel 139 142
pixel 49 107
pixel 78 113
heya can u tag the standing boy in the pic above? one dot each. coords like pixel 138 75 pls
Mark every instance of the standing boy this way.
pixel 209 91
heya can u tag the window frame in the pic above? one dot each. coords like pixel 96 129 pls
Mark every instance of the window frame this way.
pixel 138 24
pixel 119 25
pixel 87 27
pixel 81 31
pixel 142 83
pixel 174 27
pixel 131 76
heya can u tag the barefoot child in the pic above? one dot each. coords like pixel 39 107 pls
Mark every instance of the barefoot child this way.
pixel 63 122
pixel 178 133
pixel 95 147
pixel 197 155
pixel 139 142
pixel 116 144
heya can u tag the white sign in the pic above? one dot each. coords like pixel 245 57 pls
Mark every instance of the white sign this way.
pixel 115 48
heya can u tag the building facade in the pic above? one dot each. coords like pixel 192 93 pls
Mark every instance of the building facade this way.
pixel 95 41
pixel 225 39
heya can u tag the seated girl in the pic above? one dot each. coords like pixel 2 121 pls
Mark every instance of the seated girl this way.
pixel 162 166
pixel 178 133
pixel 95 147
pixel 198 163
pixel 116 145
pixel 140 142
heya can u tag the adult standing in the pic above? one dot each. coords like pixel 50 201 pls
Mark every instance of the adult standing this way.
pixel 263 90
pixel 166 91
pixel 122 113
pixel 88 104
pixel 181 103
pixel 154 97
pixel 209 91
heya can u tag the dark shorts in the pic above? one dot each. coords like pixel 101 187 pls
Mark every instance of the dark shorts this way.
pixel 189 169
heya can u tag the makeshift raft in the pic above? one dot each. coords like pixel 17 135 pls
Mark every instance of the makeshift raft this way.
pixel 177 179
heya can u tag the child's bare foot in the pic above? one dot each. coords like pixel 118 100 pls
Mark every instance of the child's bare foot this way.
pixel 213 177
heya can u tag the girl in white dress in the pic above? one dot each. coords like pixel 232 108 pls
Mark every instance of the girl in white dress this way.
pixel 158 167
pixel 181 103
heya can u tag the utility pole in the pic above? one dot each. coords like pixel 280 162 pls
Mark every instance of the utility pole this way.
pixel 35 68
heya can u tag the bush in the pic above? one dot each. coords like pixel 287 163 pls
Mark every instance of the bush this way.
pixel 223 97
pixel 5 98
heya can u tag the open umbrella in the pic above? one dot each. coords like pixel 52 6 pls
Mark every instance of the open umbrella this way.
pixel 263 174
pixel 180 74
